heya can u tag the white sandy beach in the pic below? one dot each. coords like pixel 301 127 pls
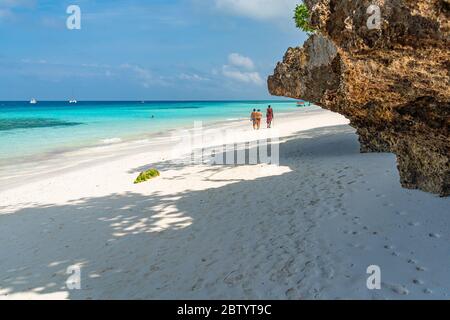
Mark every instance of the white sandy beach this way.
pixel 306 229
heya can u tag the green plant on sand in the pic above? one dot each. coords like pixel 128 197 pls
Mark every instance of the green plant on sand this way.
pixel 147 175
pixel 302 17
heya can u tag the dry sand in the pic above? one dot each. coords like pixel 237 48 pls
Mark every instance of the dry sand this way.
pixel 305 229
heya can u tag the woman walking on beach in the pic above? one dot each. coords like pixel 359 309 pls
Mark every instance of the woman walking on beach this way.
pixel 269 115
pixel 253 119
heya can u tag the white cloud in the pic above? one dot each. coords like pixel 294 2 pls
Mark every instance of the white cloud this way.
pixel 192 77
pixel 237 60
pixel 242 76
pixel 258 9
pixel 241 68
pixel 7 7
pixel 145 76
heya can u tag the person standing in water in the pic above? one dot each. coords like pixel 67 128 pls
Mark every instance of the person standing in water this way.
pixel 253 119
pixel 269 115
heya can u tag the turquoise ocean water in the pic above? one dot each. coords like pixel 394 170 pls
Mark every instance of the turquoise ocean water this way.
pixel 28 130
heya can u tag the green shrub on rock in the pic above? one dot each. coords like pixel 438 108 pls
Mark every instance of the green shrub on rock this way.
pixel 302 17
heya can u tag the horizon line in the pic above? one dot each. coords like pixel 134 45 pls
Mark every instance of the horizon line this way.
pixel 192 100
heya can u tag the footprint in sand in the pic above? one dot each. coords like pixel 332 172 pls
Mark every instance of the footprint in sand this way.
pixel 434 235
pixel 197 284
pixel 291 293
pixel 399 289
pixel 412 261
pixel 414 224
pixel 418 282
pixel 427 291
pixel 233 278
pixel 421 269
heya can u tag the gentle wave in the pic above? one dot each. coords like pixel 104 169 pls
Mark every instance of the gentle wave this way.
pixel 111 141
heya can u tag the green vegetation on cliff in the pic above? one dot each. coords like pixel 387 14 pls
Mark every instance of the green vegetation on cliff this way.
pixel 302 17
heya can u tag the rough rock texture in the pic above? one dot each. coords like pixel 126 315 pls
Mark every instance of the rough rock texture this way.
pixel 392 82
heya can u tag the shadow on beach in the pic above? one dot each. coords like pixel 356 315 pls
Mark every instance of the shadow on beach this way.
pixel 205 244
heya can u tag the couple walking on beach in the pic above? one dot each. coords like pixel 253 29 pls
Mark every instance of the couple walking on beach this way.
pixel 256 118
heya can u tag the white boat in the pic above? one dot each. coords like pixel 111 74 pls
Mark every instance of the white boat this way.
pixel 73 101
pixel 33 101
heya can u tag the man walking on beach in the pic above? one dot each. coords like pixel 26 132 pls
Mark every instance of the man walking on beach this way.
pixel 269 115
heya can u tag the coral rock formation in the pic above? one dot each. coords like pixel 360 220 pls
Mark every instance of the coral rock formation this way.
pixel 392 81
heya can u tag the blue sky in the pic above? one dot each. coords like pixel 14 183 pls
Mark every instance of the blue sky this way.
pixel 143 50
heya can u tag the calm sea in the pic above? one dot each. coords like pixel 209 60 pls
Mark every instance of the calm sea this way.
pixel 28 130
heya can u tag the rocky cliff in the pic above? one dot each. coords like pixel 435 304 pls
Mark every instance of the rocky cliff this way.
pixel 391 80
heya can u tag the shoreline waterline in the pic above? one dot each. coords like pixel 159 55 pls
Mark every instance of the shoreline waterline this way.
pixel 29 169
pixel 32 132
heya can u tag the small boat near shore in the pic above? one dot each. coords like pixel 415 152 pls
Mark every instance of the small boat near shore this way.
pixel 33 101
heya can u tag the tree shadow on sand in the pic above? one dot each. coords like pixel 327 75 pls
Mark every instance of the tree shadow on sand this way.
pixel 132 249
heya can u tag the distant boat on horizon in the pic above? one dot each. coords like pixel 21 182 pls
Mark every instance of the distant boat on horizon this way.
pixel 33 101
pixel 72 99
